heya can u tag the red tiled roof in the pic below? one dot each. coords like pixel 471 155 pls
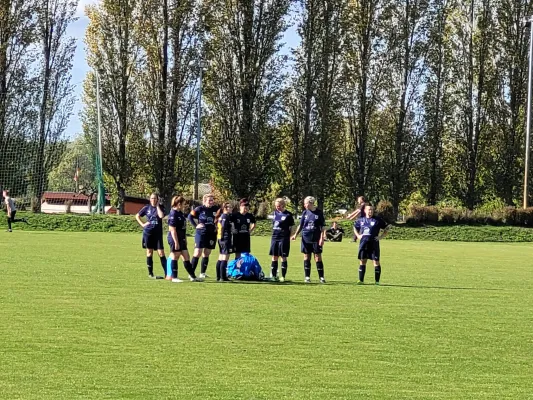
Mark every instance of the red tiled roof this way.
pixel 68 196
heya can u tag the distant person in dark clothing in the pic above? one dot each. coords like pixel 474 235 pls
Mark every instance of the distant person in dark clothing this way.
pixel 11 210
pixel 335 233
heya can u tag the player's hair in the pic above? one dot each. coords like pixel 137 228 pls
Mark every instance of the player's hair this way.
pixel 310 200
pixel 177 201
pixel 362 198
pixel 220 211
pixel 155 194
pixel 206 196
pixel 281 201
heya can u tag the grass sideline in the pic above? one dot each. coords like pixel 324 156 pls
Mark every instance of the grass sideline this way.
pixel 80 320
pixel 127 223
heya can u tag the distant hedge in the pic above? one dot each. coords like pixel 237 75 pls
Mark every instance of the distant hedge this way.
pixel 438 231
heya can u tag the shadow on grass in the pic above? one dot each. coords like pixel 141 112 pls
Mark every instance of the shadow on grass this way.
pixel 346 283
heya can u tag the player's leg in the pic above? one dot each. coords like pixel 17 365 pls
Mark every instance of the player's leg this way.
pixel 9 223
pixel 307 251
pixel 377 264
pixel 187 265
pixel 161 253
pixel 362 271
pixel 150 262
pixel 319 263
pixel 285 251
pixel 205 262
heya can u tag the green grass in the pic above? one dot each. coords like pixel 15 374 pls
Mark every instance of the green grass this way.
pixel 80 320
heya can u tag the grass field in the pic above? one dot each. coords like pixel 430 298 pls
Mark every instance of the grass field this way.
pixel 79 319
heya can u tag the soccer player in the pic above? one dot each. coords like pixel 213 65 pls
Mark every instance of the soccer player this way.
pixel 312 225
pixel 11 211
pixel 244 224
pixel 335 233
pixel 203 220
pixel 367 229
pixel 177 240
pixel 153 233
pixel 224 220
pixel 280 245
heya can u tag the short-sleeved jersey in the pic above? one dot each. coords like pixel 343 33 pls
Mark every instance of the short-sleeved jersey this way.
pixel 178 221
pixel 205 216
pixel 281 225
pixel 156 223
pixel 225 227
pixel 311 225
pixel 369 227
pixel 10 203
pixel 242 223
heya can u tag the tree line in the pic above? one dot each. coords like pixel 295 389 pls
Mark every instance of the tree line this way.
pixel 395 99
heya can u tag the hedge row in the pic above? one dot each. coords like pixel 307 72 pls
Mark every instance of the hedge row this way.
pixel 417 215
pixel 113 223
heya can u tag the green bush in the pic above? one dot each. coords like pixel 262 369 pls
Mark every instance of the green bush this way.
pixel 385 210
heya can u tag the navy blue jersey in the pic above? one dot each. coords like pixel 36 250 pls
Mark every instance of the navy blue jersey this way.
pixel 225 227
pixel 282 223
pixel 156 223
pixel 242 223
pixel 369 227
pixel 205 216
pixel 311 225
pixel 178 221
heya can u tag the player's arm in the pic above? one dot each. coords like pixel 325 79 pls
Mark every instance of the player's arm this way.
pixel 174 234
pixel 299 229
pixel 384 231
pixel 8 207
pixel 354 215
pixel 193 219
pixel 160 211
pixel 322 236
pixel 357 229
pixel 252 224
pixel 139 220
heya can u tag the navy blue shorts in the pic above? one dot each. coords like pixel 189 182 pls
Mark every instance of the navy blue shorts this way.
pixel 182 243
pixel 153 241
pixel 242 243
pixel 280 248
pixel 369 250
pixel 225 247
pixel 311 248
pixel 205 241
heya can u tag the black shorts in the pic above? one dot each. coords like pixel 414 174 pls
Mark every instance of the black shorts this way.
pixel 182 243
pixel 153 241
pixel 205 241
pixel 242 243
pixel 369 250
pixel 280 247
pixel 311 247
pixel 225 247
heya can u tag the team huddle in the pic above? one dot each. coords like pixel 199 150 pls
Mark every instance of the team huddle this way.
pixel 232 230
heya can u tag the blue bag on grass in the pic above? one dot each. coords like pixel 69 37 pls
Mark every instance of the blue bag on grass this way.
pixel 245 268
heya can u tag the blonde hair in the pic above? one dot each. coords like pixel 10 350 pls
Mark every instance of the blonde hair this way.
pixel 310 200
pixel 281 201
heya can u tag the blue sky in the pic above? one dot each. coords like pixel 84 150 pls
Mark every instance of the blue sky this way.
pixel 80 67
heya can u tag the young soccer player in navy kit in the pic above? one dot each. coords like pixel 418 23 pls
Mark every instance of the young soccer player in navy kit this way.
pixel 153 232
pixel 312 225
pixel 225 229
pixel 244 224
pixel 203 220
pixel 280 244
pixel 367 230
pixel 177 239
